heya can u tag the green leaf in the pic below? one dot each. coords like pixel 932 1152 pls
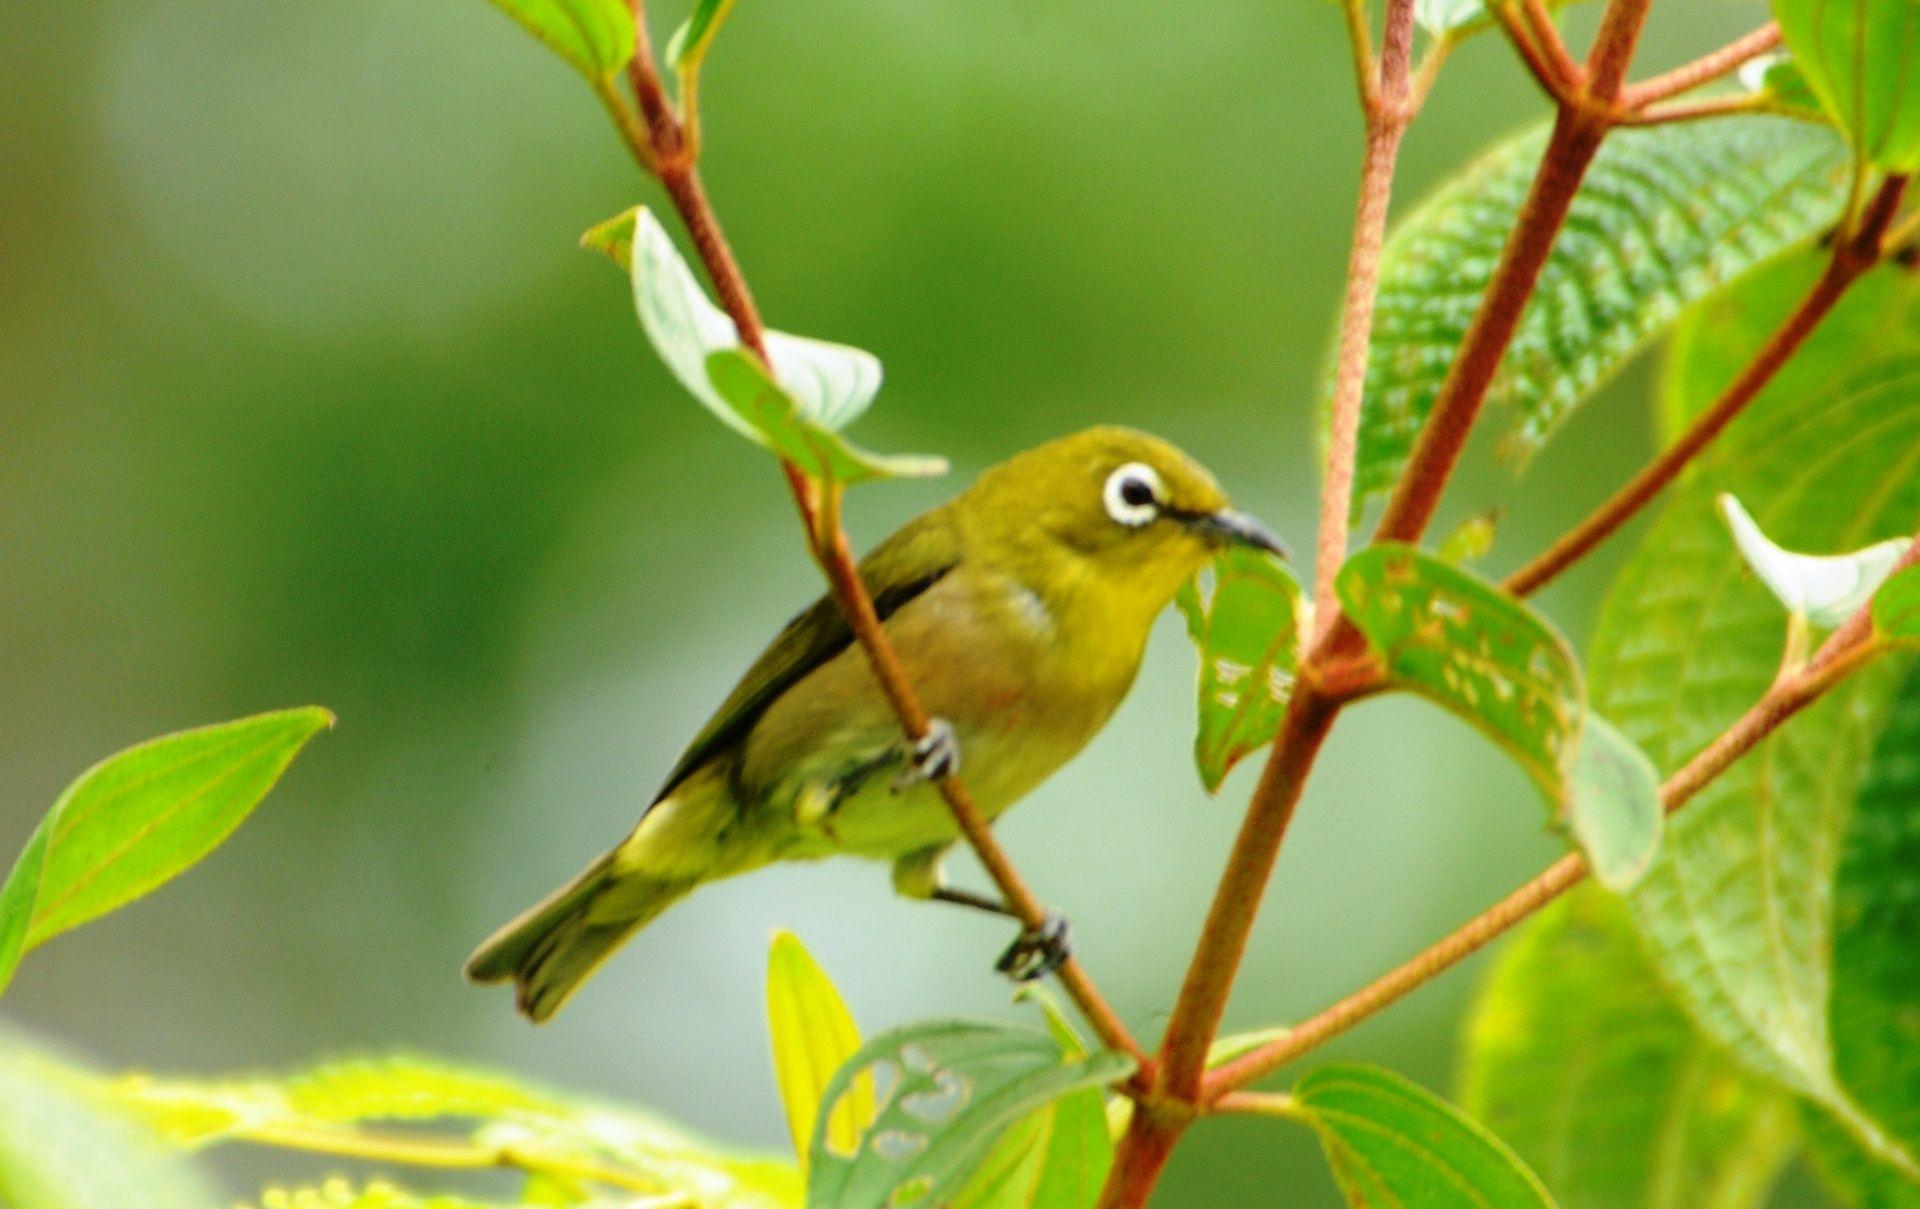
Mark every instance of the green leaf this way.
pixel 1667 215
pixel 1578 1058
pixel 1447 16
pixel 950 1089
pixel 822 387
pixel 813 1036
pixel 138 818
pixel 596 36
pixel 1737 909
pixel 1614 805
pixel 60 1150
pixel 340 1194
pixel 1862 59
pixel 688 47
pixel 1826 589
pixel 1896 607
pixel 1056 1158
pixel 1780 78
pixel 1246 628
pixel 1391 1143
pixel 1471 539
pixel 1462 642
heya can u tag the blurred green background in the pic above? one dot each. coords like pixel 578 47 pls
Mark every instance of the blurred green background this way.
pixel 308 397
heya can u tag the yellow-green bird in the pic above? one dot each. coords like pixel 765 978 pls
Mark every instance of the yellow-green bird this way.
pixel 1019 609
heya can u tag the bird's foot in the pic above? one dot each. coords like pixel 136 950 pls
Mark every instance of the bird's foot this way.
pixel 1038 952
pixel 933 757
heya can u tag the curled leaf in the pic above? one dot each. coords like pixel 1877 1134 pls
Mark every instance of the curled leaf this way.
pixel 1826 589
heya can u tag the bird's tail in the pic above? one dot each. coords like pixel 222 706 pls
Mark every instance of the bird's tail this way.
pixel 559 942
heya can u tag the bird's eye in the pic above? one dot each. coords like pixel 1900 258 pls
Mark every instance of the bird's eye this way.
pixel 1132 494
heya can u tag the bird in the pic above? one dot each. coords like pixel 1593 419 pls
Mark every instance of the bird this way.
pixel 1019 609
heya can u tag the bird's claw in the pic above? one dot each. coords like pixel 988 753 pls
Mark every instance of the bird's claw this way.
pixel 935 756
pixel 1038 952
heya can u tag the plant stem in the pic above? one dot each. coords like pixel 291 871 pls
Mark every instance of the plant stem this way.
pixel 1388 111
pixel 819 513
pixel 1849 648
pixel 1852 256
pixel 1706 68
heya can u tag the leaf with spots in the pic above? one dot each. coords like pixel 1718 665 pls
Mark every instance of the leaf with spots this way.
pixel 1394 1145
pixel 1738 907
pixel 1452 637
pixel 1244 615
pixel 1667 215
pixel 949 1090
pixel 137 819
pixel 816 387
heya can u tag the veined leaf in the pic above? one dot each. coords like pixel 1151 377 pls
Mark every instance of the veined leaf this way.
pixel 1057 1158
pixel 820 388
pixel 813 1036
pixel 1737 909
pixel 1862 59
pixel 1578 1058
pixel 138 818
pixel 1391 1143
pixel 1896 607
pixel 1826 589
pixel 1667 215
pixel 59 1150
pixel 1247 631
pixel 1451 636
pixel 950 1090
pixel 596 36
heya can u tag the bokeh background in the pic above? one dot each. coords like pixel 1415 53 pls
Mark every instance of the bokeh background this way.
pixel 307 396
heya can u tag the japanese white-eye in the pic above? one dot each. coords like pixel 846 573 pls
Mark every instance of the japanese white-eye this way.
pixel 1019 610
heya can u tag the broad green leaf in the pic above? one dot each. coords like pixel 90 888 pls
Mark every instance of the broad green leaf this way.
pixel 1862 59
pixel 138 818
pixel 1246 627
pixel 1057 1158
pixel 1738 907
pixel 1896 607
pixel 949 1090
pixel 1874 1009
pixel 1578 1058
pixel 1667 215
pixel 1614 805
pixel 340 1194
pixel 1826 589
pixel 60 1150
pixel 1462 642
pixel 688 47
pixel 821 387
pixel 813 1036
pixel 1391 1143
pixel 596 36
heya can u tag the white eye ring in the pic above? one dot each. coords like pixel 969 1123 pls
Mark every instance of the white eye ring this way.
pixel 1133 494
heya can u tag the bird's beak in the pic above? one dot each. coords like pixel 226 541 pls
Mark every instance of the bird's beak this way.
pixel 1230 527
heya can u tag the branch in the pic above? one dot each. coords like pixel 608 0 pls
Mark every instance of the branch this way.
pixel 1849 648
pixel 1852 256
pixel 1703 70
pixel 672 162
pixel 1389 108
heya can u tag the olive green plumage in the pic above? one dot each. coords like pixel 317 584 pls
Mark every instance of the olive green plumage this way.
pixel 1020 610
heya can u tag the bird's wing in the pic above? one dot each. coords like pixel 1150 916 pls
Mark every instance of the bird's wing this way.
pixel 895 572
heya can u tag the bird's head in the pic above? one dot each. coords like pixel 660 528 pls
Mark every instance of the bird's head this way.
pixel 1110 508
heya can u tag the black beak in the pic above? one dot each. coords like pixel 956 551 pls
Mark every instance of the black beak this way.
pixel 1231 528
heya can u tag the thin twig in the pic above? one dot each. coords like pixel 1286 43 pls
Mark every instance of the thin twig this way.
pixel 819 512
pixel 1851 647
pixel 1546 35
pixel 1694 111
pixel 1536 61
pixel 1703 70
pixel 1852 256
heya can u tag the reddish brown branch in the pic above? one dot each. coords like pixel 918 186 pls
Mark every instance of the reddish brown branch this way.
pixel 1852 256
pixel 671 162
pixel 1850 647
pixel 1703 70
